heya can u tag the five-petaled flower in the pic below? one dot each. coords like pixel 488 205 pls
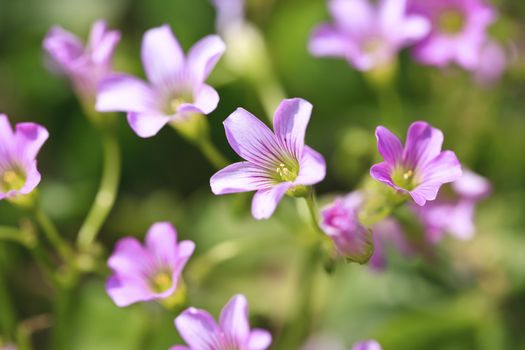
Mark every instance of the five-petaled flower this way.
pixel 339 220
pixel 85 66
pixel 459 30
pixel 275 162
pixel 200 331
pixel 18 150
pixel 367 35
pixel 176 88
pixel 420 168
pixel 150 272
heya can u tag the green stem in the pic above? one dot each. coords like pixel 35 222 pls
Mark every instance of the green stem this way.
pixel 52 234
pixel 7 312
pixel 63 300
pixel 298 328
pixel 11 234
pixel 270 93
pixel 313 209
pixel 211 153
pixel 107 192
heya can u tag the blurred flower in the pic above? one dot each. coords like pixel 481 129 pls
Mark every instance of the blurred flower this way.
pixel 18 151
pixel 458 31
pixel 367 345
pixel 7 347
pixel 276 162
pixel 176 87
pixel 85 66
pixel 200 331
pixel 143 273
pixel 228 12
pixel 456 215
pixel 388 234
pixel 491 64
pixel 365 34
pixel 418 169
pixel 340 222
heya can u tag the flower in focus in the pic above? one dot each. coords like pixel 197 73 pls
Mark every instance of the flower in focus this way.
pixel 340 222
pixel 276 162
pixel 365 34
pixel 491 64
pixel 367 345
pixel 454 216
pixel 176 88
pixel 87 65
pixel 459 29
pixel 420 168
pixel 388 234
pixel 18 150
pixel 200 331
pixel 149 272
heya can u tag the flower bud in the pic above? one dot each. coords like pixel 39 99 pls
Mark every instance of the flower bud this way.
pixel 340 222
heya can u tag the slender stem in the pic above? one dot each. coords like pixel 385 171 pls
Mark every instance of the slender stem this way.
pixel 270 93
pixel 7 312
pixel 107 192
pixel 11 234
pixel 313 209
pixel 298 328
pixel 52 234
pixel 211 153
pixel 63 302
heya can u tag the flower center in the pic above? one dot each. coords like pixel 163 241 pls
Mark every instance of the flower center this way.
pixel 286 173
pixel 175 100
pixel 161 282
pixel 372 45
pixel 12 180
pixel 451 21
pixel 404 178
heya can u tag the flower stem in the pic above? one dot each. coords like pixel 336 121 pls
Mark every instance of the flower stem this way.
pixel 313 209
pixel 52 234
pixel 212 153
pixel 196 130
pixel 7 314
pixel 107 192
pixel 299 326
pixel 11 234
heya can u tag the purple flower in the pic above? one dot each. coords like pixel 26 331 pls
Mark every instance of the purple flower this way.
pixel 388 234
pixel 367 345
pixel 365 34
pixel 418 169
pixel 491 64
pixel 18 150
pixel 143 273
pixel 340 222
pixel 454 215
pixel 86 66
pixel 200 331
pixel 275 162
pixel 458 31
pixel 176 87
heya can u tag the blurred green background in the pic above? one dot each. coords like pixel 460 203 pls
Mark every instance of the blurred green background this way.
pixel 472 296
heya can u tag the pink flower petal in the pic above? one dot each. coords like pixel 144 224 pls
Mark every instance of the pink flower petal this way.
pixel 162 55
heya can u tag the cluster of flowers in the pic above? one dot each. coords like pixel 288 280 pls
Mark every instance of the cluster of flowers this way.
pixel 441 32
pixel 275 163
